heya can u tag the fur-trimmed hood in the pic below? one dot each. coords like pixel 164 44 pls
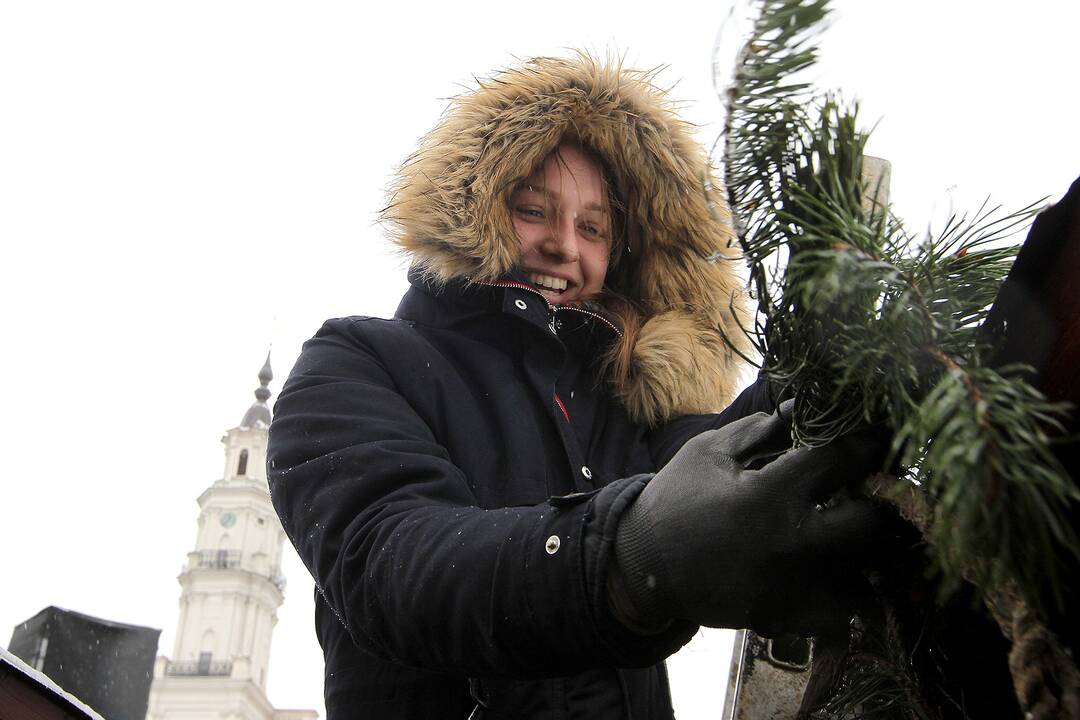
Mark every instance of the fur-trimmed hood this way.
pixel 675 293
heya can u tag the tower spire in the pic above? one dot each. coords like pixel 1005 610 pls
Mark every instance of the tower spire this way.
pixel 259 412
pixel 262 393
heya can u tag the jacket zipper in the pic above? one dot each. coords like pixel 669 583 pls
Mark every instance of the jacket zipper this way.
pixel 551 308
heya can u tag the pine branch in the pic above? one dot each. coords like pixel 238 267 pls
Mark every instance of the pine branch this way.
pixel 869 326
pixel 865 324
pixel 981 441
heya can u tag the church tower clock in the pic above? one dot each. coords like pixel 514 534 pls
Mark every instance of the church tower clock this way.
pixel 231 588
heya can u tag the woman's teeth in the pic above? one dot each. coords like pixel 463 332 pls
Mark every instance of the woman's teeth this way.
pixel 548 282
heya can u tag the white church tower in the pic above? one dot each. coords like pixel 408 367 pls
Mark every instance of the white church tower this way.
pixel 231 588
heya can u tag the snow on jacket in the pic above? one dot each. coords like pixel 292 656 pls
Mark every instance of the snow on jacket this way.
pixel 452 477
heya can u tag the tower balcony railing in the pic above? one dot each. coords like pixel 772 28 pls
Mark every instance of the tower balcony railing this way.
pixel 217 558
pixel 228 559
pixel 217 668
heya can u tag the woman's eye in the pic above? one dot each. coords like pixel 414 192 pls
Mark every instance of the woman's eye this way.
pixel 593 230
pixel 530 211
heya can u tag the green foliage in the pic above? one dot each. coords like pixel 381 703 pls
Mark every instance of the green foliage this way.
pixel 865 324
pixel 981 439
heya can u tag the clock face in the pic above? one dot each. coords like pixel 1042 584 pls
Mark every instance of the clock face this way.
pixel 228 519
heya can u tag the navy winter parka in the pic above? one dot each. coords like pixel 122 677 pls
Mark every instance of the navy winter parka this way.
pixel 452 478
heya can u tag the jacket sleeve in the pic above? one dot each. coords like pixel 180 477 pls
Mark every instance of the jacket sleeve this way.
pixel 415 571
pixel 761 396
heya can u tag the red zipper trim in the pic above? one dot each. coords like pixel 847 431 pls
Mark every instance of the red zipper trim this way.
pixel 552 308
pixel 559 402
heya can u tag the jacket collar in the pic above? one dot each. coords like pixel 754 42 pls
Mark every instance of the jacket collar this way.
pixel 460 303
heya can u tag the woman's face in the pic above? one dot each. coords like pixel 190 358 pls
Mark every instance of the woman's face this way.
pixel 563 222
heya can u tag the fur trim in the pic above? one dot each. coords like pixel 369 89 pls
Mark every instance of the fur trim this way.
pixel 448 211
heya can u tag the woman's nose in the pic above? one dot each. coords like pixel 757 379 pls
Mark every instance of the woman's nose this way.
pixel 563 239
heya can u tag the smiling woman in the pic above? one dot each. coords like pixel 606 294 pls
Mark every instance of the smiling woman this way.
pixel 561 216
pixel 463 480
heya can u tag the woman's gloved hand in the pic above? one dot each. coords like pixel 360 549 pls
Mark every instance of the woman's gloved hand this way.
pixel 728 534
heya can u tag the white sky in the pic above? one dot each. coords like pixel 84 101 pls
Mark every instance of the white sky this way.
pixel 183 183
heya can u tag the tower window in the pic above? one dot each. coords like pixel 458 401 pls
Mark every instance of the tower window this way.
pixel 242 468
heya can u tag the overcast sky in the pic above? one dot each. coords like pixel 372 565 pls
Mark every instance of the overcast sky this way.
pixel 184 183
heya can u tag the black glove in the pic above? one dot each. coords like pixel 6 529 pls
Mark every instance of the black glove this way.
pixel 714 542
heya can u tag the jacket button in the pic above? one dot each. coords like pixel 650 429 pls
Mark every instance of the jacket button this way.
pixel 520 304
pixel 586 472
pixel 552 544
